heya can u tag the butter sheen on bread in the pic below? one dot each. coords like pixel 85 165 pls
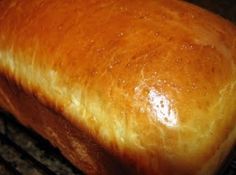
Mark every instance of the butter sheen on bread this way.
pixel 122 87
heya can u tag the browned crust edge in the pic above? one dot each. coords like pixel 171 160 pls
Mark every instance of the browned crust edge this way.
pixel 76 145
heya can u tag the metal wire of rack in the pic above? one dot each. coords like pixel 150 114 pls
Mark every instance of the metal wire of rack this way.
pixel 23 152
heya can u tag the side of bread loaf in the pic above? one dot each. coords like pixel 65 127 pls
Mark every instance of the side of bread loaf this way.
pixel 128 87
pixel 75 144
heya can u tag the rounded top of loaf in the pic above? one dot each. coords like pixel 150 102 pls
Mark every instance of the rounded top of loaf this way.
pixel 153 81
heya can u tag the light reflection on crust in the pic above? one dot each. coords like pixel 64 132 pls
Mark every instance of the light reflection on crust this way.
pixel 162 109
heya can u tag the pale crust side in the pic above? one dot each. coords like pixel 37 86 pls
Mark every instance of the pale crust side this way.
pixel 152 82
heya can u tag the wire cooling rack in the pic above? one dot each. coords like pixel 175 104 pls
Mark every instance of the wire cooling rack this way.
pixel 23 152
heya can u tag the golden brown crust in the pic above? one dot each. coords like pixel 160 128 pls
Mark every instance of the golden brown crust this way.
pixel 152 82
pixel 75 144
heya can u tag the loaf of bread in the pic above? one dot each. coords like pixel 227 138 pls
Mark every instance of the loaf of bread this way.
pixel 122 87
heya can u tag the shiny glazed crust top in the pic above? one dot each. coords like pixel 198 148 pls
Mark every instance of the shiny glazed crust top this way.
pixel 153 82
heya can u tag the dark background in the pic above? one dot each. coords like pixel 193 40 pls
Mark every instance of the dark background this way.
pixel 225 8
